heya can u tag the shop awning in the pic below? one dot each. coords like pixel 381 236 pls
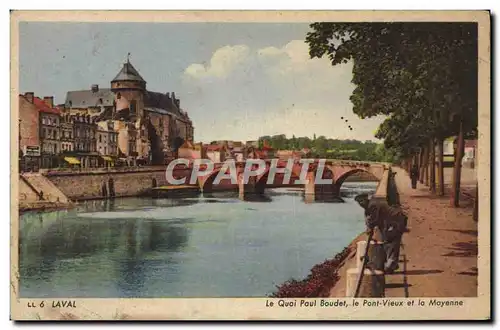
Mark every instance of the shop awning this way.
pixel 107 158
pixel 72 160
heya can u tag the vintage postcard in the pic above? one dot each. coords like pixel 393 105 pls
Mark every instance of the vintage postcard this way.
pixel 262 165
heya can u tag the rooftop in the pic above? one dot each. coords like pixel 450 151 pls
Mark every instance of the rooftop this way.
pixel 88 98
pixel 128 73
pixel 43 107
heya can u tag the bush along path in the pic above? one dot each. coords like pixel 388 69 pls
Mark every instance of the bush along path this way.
pixel 323 276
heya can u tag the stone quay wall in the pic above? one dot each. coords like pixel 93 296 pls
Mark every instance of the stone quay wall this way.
pixel 99 184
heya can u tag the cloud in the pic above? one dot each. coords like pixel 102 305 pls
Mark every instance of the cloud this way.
pixel 223 61
pixel 243 93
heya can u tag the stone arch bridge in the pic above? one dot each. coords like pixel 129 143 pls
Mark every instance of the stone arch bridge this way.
pixel 333 171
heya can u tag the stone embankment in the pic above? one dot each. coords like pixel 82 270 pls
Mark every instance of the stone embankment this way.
pixel 111 183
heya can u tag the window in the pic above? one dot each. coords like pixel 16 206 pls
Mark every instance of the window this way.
pixel 133 105
pixel 118 96
pixel 105 151
pixel 100 137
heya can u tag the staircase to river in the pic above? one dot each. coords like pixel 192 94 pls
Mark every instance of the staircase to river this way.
pixel 42 188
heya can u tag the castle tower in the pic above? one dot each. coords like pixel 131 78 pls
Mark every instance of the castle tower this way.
pixel 129 87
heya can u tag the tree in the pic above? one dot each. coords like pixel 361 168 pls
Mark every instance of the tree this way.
pixel 321 145
pixel 423 75
pixel 263 139
pixel 279 142
pixel 293 143
pixel 336 149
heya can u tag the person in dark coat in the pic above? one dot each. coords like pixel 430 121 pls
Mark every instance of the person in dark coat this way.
pixel 414 176
pixel 391 222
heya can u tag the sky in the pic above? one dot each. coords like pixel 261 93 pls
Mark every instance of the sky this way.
pixel 238 81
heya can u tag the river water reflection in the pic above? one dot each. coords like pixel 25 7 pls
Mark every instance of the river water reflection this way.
pixel 192 247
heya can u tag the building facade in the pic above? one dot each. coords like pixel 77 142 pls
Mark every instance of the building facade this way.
pixel 95 127
pixel 85 143
pixel 66 132
pixel 29 134
pixel 160 125
pixel 106 140
pixel 49 132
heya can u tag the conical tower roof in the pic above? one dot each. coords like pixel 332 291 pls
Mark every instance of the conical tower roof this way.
pixel 129 73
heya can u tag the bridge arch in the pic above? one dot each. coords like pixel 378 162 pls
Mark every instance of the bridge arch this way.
pixel 311 188
pixel 206 183
pixel 261 181
pixel 343 176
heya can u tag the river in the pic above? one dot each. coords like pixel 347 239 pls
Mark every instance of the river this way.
pixel 217 246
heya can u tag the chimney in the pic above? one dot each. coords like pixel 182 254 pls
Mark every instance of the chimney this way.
pixel 49 101
pixel 29 96
pixel 174 100
pixel 94 88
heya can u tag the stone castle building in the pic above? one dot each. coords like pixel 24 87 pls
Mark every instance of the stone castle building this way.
pixel 150 126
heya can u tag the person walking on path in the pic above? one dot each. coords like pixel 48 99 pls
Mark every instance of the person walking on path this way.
pixel 391 222
pixel 414 176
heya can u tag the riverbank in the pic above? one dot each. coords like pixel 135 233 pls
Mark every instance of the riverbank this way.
pixel 43 206
pixel 330 273
pixel 322 278
pixel 101 185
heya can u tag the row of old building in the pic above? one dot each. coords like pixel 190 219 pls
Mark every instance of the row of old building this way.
pixel 220 151
pixel 122 125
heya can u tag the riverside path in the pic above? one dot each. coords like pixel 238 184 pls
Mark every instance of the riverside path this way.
pixel 439 254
